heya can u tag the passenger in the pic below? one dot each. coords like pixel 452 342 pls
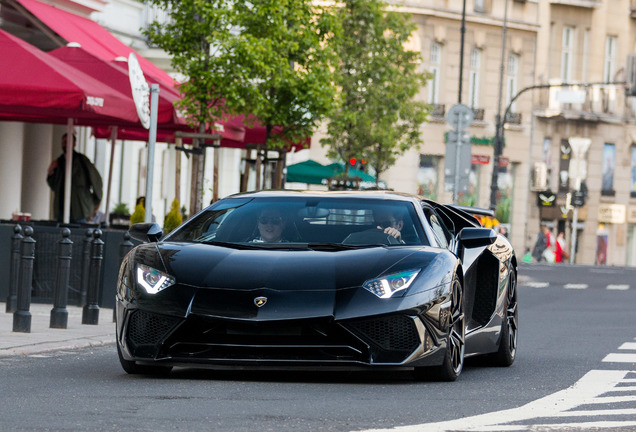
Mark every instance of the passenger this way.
pixel 271 224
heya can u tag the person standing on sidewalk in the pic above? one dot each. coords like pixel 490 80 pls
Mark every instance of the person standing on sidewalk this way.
pixel 86 185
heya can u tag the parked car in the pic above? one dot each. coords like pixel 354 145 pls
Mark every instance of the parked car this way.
pixel 368 280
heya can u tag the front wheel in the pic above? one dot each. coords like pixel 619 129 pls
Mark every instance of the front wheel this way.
pixel 453 363
pixel 507 352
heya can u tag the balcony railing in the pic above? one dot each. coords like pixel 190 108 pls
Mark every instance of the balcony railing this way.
pixel 439 110
pixel 583 101
pixel 513 118
pixel 478 114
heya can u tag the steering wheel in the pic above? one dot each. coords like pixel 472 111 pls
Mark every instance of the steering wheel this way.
pixel 370 237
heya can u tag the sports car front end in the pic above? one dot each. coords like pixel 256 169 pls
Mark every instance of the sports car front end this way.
pixel 293 305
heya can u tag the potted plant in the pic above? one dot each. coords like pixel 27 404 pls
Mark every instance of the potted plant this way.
pixel 120 215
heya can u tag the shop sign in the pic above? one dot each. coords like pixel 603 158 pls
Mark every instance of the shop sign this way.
pixel 546 199
pixel 611 213
pixel 480 159
pixel 631 214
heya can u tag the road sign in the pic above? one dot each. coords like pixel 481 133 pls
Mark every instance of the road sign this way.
pixel 460 116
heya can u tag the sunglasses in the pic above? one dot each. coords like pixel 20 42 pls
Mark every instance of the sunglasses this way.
pixel 265 220
pixel 387 223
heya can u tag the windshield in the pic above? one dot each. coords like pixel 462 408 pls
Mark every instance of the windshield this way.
pixel 309 220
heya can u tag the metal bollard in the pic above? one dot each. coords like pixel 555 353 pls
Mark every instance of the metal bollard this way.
pixel 86 262
pixel 124 248
pixel 59 314
pixel 22 316
pixel 12 298
pixel 90 314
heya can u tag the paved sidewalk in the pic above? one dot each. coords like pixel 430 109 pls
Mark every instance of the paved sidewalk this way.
pixel 42 338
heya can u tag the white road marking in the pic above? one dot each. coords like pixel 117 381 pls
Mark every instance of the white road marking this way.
pixel 586 391
pixel 628 346
pixel 537 284
pixel 620 358
pixel 618 287
pixel 575 286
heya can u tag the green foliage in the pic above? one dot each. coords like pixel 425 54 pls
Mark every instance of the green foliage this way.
pixel 121 209
pixel 173 219
pixel 138 215
pixel 268 59
pixel 376 116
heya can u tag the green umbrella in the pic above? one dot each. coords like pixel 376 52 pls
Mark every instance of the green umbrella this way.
pixel 311 172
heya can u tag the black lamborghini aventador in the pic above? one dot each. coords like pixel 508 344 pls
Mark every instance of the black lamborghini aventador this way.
pixel 287 279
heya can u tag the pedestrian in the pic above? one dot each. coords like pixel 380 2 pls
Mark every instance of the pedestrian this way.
pixel 543 249
pixel 86 186
pixel 560 252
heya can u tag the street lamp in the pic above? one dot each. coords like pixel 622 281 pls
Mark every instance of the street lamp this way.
pixel 498 141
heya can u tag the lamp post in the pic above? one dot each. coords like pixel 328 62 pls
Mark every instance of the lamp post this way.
pixel 498 141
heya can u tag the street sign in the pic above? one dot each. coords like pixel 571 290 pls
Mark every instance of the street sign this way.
pixel 457 159
pixel 460 116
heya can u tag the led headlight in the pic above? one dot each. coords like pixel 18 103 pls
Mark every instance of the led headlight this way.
pixel 386 286
pixel 153 280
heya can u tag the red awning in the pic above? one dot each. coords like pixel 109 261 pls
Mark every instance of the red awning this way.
pixel 93 37
pixel 35 86
pixel 116 76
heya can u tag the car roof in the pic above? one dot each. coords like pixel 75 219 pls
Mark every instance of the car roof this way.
pixel 366 194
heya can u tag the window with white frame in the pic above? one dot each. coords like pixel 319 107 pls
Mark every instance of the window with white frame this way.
pixel 473 83
pixel 567 54
pixel 511 79
pixel 610 59
pixel 434 69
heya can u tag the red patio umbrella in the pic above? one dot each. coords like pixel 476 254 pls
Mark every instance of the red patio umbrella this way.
pixel 35 86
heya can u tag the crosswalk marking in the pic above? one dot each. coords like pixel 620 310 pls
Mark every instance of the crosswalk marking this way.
pixel 628 346
pixel 538 284
pixel 562 404
pixel 575 286
pixel 620 358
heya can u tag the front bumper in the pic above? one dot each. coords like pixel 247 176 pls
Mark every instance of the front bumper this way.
pixel 410 338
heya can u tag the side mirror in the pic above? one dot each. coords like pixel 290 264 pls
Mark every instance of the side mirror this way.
pixel 477 237
pixel 146 232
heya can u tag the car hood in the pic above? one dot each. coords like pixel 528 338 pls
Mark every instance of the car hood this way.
pixel 210 266
pixel 224 282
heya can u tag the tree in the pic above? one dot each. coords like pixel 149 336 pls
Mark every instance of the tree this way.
pixel 376 117
pixel 267 60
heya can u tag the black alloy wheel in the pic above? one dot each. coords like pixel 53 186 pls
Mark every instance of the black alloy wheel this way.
pixel 505 356
pixel 453 362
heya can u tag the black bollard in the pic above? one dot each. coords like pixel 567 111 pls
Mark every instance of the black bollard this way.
pixel 22 316
pixel 124 248
pixel 90 314
pixel 12 298
pixel 86 262
pixel 59 314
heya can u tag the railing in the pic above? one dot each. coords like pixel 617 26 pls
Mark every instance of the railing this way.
pixel 513 118
pixel 439 110
pixel 478 114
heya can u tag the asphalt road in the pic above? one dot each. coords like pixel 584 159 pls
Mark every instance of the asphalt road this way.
pixel 576 322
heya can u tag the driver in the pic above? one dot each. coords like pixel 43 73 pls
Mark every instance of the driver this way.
pixel 390 221
pixel 270 224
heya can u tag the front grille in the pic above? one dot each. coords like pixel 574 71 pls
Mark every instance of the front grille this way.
pixel 148 329
pixel 304 340
pixel 390 333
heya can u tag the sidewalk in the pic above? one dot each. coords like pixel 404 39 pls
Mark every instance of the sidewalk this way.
pixel 42 338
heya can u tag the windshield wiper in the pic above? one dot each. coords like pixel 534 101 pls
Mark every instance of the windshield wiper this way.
pixel 336 246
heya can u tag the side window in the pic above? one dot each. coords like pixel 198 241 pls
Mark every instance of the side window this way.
pixel 441 232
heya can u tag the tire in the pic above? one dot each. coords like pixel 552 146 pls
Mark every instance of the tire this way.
pixel 453 363
pixel 507 352
pixel 133 368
